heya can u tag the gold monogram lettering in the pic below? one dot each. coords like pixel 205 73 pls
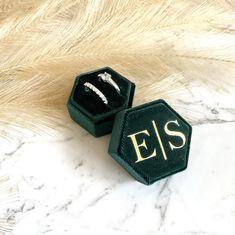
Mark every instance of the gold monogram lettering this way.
pixel 138 146
pixel 175 133
pixel 169 132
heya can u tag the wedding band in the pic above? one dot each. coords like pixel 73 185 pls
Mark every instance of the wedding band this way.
pixel 97 91
pixel 106 77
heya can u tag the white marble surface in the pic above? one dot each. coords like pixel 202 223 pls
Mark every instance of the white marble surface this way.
pixel 68 184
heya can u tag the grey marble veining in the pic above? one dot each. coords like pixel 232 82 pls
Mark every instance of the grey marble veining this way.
pixel 71 185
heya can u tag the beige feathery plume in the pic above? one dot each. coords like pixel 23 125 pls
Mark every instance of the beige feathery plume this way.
pixel 161 45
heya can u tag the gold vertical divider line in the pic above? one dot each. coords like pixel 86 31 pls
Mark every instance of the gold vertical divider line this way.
pixel 159 139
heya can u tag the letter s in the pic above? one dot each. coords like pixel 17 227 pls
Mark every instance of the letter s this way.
pixel 175 133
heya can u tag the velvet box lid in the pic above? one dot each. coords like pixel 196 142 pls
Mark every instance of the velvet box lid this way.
pixel 150 141
pixel 88 110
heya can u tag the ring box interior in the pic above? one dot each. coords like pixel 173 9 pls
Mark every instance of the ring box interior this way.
pixel 87 108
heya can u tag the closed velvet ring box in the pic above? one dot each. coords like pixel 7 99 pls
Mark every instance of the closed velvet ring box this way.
pixel 150 141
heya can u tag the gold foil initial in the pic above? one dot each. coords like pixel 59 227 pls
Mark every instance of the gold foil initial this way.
pixel 175 133
pixel 138 146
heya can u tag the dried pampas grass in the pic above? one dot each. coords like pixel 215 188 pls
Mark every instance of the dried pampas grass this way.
pixel 162 45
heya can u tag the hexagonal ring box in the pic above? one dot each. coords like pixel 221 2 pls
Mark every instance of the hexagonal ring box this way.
pixel 88 110
pixel 151 141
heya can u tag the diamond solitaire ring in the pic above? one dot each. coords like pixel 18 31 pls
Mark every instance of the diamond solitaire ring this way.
pixel 106 77
pixel 96 91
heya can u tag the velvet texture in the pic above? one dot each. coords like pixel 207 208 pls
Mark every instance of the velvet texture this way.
pixel 88 110
pixel 139 119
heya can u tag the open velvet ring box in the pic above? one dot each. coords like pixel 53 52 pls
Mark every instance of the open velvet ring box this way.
pixel 151 141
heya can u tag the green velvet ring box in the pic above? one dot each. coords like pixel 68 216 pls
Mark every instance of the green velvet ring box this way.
pixel 89 111
pixel 150 141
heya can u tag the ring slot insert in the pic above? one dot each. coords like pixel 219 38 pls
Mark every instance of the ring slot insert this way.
pixel 96 97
